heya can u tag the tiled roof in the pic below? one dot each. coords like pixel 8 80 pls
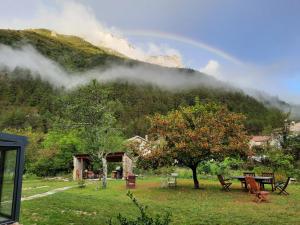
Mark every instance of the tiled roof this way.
pixel 260 138
pixel 136 137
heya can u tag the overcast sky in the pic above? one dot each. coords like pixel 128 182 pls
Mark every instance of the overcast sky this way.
pixel 255 44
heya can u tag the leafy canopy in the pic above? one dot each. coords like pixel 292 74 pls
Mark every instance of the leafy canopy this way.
pixel 90 110
pixel 194 134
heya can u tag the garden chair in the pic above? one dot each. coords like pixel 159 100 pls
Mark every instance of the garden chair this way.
pixel 268 181
pixel 172 180
pixel 131 181
pixel 224 183
pixel 254 189
pixel 243 182
pixel 281 186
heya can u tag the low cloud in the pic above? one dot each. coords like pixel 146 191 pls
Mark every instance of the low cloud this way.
pixel 253 79
pixel 30 59
pixel 211 68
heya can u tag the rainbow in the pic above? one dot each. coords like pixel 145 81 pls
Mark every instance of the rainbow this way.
pixel 175 37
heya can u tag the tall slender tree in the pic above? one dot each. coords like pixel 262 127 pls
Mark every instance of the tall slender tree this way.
pixel 90 110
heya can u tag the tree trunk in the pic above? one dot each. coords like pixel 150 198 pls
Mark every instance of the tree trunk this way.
pixel 196 182
pixel 104 179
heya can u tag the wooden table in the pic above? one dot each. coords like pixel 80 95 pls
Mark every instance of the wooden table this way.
pixel 258 179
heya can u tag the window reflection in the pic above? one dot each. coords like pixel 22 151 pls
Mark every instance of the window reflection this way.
pixel 7 176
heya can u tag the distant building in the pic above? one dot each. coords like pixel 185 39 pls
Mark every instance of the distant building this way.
pixel 142 144
pixel 262 141
pixel 83 165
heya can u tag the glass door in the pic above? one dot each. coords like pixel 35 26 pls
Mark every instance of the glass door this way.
pixel 8 163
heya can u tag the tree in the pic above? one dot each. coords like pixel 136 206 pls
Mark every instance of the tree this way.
pixel 57 149
pixel 279 160
pixel 90 110
pixel 111 140
pixel 294 146
pixel 289 142
pixel 195 134
pixel 34 146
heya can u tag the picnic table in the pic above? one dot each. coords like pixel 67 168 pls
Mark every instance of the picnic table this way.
pixel 258 179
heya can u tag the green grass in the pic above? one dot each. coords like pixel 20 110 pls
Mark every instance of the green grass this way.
pixel 208 205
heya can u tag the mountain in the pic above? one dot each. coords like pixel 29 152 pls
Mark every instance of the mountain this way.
pixel 166 60
pixel 29 99
pixel 44 39
pixel 72 52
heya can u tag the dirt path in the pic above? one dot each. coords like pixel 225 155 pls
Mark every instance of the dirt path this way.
pixel 52 192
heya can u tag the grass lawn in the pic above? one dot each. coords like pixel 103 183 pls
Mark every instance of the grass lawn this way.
pixel 208 205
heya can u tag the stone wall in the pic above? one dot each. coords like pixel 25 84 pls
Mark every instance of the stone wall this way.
pixel 127 166
pixel 78 165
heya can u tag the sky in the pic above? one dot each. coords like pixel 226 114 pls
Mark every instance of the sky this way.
pixel 253 44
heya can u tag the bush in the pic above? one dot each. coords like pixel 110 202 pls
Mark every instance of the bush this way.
pixel 279 161
pixel 56 155
pixel 144 218
pixel 214 168
pixel 81 183
pixel 184 173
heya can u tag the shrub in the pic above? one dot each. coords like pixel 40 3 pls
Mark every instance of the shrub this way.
pixel 56 153
pixel 214 167
pixel 81 183
pixel 184 173
pixel 143 218
pixel 279 161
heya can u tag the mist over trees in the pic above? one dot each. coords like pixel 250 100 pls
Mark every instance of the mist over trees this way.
pixel 29 102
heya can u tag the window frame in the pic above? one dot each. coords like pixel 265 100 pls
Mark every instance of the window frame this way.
pixel 16 143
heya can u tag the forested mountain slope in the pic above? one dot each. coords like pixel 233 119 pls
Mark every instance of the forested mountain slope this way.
pixel 33 102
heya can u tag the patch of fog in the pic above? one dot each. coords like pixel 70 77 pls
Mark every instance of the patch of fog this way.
pixel 295 112
pixel 29 58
